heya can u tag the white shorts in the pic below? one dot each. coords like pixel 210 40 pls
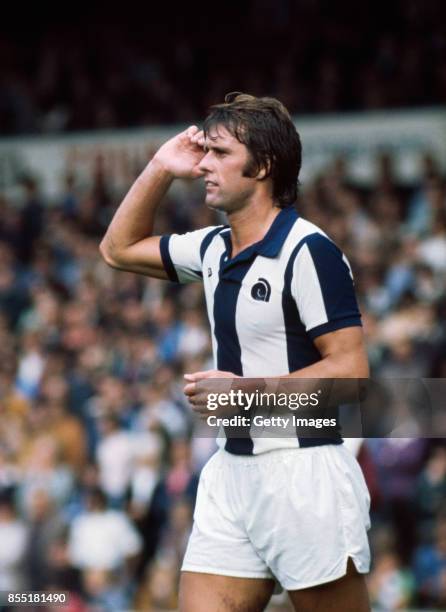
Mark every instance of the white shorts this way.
pixel 295 515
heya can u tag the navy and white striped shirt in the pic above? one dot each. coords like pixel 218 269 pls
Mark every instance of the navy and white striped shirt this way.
pixel 267 304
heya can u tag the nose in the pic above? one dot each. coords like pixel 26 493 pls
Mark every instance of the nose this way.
pixel 204 165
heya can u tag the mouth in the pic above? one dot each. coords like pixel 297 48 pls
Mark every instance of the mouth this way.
pixel 210 184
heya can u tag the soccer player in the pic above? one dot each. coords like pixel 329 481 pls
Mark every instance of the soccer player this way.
pixel 280 302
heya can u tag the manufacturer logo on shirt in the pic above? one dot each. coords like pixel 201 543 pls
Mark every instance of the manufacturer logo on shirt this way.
pixel 209 272
pixel 261 291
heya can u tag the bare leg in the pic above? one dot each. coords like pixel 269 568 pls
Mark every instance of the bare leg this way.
pixel 211 593
pixel 348 594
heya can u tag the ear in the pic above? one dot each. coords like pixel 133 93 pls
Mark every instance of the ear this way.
pixel 264 171
pixel 261 174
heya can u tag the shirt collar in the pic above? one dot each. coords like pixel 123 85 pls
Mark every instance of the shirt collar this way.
pixel 273 240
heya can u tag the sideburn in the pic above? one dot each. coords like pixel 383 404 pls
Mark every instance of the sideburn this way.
pixel 252 168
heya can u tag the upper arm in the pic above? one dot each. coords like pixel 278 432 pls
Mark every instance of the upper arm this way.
pixel 323 288
pixel 182 254
pixel 175 257
pixel 324 292
pixel 345 347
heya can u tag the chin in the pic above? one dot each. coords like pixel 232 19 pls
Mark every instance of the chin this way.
pixel 222 205
pixel 215 204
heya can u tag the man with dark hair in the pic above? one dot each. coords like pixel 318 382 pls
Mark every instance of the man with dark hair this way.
pixel 265 127
pixel 281 302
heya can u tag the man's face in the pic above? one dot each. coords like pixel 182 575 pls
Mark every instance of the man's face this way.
pixel 223 165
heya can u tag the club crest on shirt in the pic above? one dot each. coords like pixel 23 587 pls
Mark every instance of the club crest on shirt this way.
pixel 261 291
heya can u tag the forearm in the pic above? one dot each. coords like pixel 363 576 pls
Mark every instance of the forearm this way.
pixel 339 378
pixel 135 217
pixel 353 365
pixel 336 379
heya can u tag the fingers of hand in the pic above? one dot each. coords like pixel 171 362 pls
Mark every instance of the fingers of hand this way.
pixel 196 376
pixel 195 136
pixel 206 374
pixel 198 403
pixel 198 138
pixel 226 375
pixel 195 396
pixel 197 172
pixel 191 131
pixel 190 389
pixel 201 412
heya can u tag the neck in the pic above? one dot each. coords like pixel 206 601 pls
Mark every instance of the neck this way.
pixel 251 223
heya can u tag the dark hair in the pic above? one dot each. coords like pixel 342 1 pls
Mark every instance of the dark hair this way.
pixel 265 127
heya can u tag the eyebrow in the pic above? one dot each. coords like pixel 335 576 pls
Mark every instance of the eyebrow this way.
pixel 217 149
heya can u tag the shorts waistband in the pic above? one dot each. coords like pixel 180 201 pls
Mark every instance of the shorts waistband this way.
pixel 273 455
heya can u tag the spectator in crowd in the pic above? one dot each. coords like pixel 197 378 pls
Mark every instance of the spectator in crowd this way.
pixel 101 538
pixel 45 528
pixel 390 585
pixel 398 462
pixel 171 504
pixel 307 56
pixel 162 586
pixel 430 568
pixel 104 591
pixel 115 459
pixel 430 492
pixel 14 539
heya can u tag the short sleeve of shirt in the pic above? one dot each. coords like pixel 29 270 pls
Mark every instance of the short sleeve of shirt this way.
pixel 323 288
pixel 182 254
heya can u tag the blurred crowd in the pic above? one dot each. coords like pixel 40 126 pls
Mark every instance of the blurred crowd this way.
pixel 141 68
pixel 98 459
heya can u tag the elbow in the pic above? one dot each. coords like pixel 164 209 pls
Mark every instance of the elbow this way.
pixel 366 371
pixel 360 366
pixel 363 363
pixel 363 372
pixel 357 361
pixel 354 365
pixel 107 254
